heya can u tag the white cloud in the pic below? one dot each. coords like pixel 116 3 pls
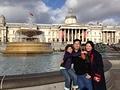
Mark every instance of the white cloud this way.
pixel 13 14
pixel 86 11
pixel 109 22
pixel 71 3
pixel 41 7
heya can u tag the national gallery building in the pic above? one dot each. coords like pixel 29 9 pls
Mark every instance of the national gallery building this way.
pixel 61 33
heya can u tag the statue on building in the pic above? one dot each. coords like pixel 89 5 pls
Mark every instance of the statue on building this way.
pixel 2 20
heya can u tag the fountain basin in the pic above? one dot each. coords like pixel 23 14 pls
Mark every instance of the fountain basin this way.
pixel 29 33
pixel 48 80
pixel 28 48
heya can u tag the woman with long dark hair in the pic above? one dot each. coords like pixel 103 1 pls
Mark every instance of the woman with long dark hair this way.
pixel 95 67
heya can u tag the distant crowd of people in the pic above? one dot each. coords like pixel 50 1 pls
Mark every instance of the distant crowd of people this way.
pixel 82 69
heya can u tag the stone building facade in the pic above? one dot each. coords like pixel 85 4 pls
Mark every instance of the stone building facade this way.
pixel 63 33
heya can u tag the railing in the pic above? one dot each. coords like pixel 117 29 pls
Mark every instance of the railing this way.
pixel 4 75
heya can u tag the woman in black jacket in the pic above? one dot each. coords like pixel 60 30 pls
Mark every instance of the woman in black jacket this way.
pixel 95 67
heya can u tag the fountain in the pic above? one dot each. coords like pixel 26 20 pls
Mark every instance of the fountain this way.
pixel 29 41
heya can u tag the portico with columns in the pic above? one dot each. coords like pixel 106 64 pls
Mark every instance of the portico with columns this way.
pixel 68 34
pixel 108 36
pixel 72 30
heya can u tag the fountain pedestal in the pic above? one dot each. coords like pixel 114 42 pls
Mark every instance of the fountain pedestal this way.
pixel 27 48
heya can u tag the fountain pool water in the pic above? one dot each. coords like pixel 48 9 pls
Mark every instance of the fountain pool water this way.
pixel 34 63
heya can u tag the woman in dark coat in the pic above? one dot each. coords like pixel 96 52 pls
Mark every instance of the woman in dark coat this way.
pixel 95 67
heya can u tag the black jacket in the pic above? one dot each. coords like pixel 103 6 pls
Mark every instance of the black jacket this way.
pixel 96 67
pixel 67 60
pixel 79 63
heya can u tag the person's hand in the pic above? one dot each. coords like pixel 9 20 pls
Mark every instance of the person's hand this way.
pixel 83 56
pixel 85 52
pixel 88 76
pixel 97 79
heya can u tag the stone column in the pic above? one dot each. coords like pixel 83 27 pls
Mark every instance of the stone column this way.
pixel 60 36
pixel 107 36
pixel 103 37
pixel 68 35
pixel 72 34
pixel 51 36
pixel 64 35
pixel 75 33
pixel 2 33
pixel 56 36
pixel 85 33
pixel 114 37
pixel 82 35
pixel 78 33
pixel 111 37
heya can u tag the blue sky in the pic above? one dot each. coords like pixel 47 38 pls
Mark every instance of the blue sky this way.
pixel 54 3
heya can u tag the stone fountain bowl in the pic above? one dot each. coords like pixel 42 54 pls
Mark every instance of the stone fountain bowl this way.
pixel 29 33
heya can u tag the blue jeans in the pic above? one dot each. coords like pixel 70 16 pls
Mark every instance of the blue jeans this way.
pixel 69 75
pixel 84 83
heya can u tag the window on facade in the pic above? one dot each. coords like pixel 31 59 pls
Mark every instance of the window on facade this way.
pixel 88 39
pixel 53 33
pixel 8 39
pixel 95 33
pixel 48 33
pixel 119 40
pixel 95 40
pixel 53 39
pixel 13 39
pixel 57 40
pixel 48 39
pixel 99 33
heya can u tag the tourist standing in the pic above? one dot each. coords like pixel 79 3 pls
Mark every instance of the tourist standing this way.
pixel 95 67
pixel 66 69
pixel 80 67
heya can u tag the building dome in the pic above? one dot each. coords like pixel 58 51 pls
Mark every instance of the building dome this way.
pixel 70 18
